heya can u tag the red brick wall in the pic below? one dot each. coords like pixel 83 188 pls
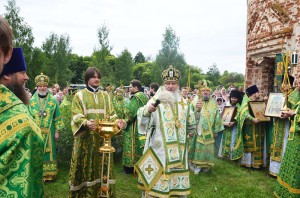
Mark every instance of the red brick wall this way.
pixel 272 26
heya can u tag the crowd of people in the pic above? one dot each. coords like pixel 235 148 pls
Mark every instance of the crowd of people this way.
pixel 168 132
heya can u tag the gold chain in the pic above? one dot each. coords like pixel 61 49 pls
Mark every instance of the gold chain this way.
pixel 175 115
pixel 42 103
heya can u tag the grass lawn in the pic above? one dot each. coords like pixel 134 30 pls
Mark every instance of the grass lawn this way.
pixel 227 179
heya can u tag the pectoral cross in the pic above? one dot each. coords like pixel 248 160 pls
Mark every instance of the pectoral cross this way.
pixel 149 169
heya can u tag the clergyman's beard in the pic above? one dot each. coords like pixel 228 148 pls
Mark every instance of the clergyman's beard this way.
pixel 166 96
pixel 42 93
pixel 175 94
pixel 205 98
pixel 19 91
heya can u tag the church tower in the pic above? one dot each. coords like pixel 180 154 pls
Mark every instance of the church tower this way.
pixel 273 29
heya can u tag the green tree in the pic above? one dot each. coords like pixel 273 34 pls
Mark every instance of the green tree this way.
pixel 36 67
pixel 139 58
pixel 213 74
pixel 123 66
pixel 146 78
pixel 105 63
pixel 170 54
pixel 102 57
pixel 147 73
pixel 231 77
pixel 23 36
pixel 196 75
pixel 103 33
pixel 78 64
pixel 58 53
pixel 155 73
pixel 138 69
pixel 22 32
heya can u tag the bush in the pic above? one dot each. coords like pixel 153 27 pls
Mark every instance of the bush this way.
pixel 65 143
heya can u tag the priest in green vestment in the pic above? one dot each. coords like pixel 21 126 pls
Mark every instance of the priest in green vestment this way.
pixel 167 126
pixel 288 179
pixel 280 132
pixel 21 141
pixel 88 106
pixel 229 135
pixel 250 145
pixel 133 142
pixel 45 109
pixel 209 123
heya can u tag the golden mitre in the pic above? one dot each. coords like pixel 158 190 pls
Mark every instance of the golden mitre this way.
pixel 41 80
pixel 171 74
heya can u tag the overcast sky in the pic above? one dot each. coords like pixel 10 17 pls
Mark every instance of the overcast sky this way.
pixel 210 32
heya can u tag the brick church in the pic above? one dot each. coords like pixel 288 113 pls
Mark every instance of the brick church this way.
pixel 273 29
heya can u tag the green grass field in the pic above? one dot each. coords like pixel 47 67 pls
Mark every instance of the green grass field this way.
pixel 227 179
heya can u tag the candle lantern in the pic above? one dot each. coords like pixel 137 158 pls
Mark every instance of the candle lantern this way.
pixel 294 58
pixel 107 129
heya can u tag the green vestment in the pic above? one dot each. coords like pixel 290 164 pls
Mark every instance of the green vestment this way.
pixel 279 130
pixel 251 136
pixel 21 149
pixel 288 179
pixel 238 144
pixel 133 141
pixel 201 152
pixel 167 129
pixel 47 115
pixel 87 162
pixel 293 99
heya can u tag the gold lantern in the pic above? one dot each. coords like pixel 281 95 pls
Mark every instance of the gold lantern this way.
pixel 107 129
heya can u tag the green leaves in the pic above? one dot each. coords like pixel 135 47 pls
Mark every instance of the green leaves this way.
pixel 169 54
pixel 58 56
pixel 139 58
